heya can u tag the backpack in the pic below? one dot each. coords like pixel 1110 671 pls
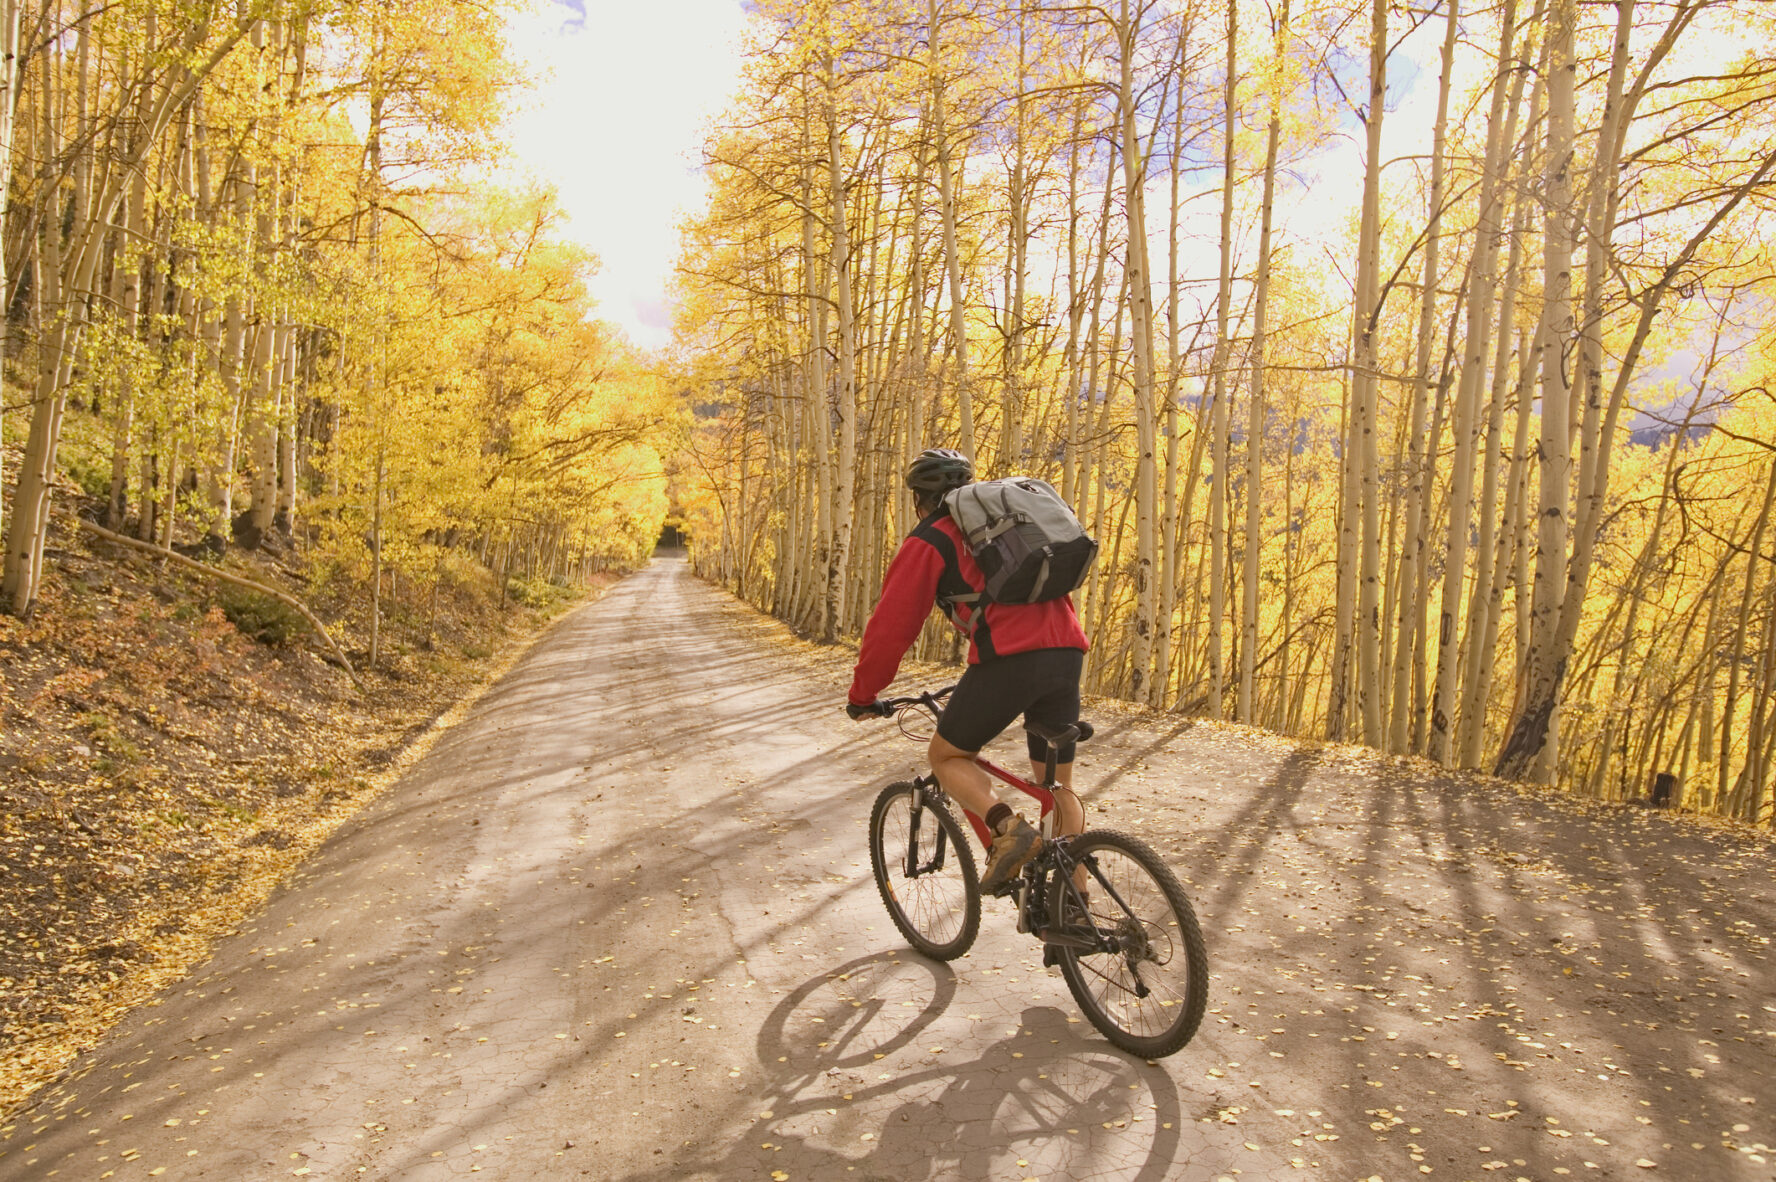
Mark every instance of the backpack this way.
pixel 1024 538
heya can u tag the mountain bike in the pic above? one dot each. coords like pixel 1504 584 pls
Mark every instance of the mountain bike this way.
pixel 1110 913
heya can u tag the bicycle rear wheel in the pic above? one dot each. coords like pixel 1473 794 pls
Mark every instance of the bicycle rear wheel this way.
pixel 1146 987
pixel 925 871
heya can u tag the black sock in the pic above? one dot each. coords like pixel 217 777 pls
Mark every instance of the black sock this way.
pixel 997 816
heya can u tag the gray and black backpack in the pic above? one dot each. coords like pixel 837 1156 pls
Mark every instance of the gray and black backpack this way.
pixel 1024 538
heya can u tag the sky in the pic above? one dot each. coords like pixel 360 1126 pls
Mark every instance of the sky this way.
pixel 624 93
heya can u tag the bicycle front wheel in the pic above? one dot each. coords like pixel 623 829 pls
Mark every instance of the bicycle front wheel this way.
pixel 1147 982
pixel 925 871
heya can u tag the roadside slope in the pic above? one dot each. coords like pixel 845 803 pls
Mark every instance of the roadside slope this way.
pixel 160 770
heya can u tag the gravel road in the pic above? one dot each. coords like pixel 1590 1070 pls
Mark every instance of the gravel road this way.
pixel 619 924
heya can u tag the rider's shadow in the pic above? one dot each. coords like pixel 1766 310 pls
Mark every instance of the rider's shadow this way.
pixel 1048 1093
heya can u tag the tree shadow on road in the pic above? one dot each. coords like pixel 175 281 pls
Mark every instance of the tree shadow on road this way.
pixel 963 1110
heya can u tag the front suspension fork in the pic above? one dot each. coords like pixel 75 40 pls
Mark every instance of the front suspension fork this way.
pixel 921 786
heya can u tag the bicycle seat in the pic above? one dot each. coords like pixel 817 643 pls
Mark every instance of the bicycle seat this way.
pixel 1060 736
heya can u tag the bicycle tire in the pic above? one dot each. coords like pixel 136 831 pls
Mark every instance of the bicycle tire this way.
pixel 938 911
pixel 1106 984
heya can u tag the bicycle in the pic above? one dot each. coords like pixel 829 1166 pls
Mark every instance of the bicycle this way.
pixel 1126 941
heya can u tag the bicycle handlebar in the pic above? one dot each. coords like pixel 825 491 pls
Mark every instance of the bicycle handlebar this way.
pixel 932 701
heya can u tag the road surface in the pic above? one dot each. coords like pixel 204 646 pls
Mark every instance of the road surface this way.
pixel 619 924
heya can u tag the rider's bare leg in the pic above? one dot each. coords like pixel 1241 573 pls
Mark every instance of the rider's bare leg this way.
pixel 966 784
pixel 1069 813
pixel 961 777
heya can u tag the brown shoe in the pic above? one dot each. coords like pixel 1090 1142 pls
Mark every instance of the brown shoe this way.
pixel 1010 852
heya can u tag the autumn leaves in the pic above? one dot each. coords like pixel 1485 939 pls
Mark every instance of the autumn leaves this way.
pixel 267 287
pixel 1425 445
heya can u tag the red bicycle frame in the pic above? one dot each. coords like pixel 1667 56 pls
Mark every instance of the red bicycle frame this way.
pixel 930 703
pixel 1043 797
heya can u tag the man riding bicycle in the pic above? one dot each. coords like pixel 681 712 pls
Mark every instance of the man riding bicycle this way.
pixel 1022 659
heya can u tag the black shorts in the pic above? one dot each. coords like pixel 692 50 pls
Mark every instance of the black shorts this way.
pixel 1042 685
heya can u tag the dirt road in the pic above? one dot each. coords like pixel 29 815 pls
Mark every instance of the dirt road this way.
pixel 619 924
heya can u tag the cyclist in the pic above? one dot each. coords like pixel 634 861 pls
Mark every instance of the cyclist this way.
pixel 1022 659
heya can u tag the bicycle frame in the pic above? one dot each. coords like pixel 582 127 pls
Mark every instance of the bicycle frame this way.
pixel 1063 895
pixel 1043 794
pixel 1057 864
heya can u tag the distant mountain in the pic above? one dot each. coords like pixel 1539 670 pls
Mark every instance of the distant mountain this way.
pixel 1655 435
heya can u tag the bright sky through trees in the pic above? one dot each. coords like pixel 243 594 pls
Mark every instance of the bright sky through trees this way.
pixel 616 123
pixel 625 91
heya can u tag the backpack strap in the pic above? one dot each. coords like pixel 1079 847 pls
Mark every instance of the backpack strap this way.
pixel 953 590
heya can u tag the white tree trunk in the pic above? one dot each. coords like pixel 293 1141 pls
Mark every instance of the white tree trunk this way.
pixel 1531 736
pixel 947 182
pixel 1140 297
pixel 845 474
pixel 1219 426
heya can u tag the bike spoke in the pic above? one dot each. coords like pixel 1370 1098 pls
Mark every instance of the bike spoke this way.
pixel 1145 982
pixel 934 902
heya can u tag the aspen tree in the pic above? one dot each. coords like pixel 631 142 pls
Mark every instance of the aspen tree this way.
pixel 1101 586
pixel 1218 429
pixel 1199 436
pixel 1494 542
pixel 1140 303
pixel 1171 511
pixel 1625 656
pixel 1255 409
pixel 916 355
pixel 125 310
pixel 1074 388
pixel 97 200
pixel 1017 246
pixel 947 181
pixel 844 476
pixel 1366 396
pixel 10 67
pixel 373 182
pixel 1535 733
pixel 1477 343
pixel 814 396
pixel 1092 390
pixel 1726 783
pixel 1012 218
pixel 1535 729
pixel 259 393
pixel 1358 607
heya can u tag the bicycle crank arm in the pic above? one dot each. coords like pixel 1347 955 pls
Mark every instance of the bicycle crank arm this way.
pixel 1061 939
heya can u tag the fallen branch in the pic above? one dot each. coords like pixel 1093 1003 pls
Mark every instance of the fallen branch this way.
pixel 224 576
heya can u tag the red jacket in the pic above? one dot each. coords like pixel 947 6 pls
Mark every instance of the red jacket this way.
pixel 932 560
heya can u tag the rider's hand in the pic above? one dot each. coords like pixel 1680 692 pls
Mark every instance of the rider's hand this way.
pixel 858 713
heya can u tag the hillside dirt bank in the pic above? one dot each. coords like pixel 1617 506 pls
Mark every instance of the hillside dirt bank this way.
pixel 160 771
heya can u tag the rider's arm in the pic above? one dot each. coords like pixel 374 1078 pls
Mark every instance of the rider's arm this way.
pixel 908 591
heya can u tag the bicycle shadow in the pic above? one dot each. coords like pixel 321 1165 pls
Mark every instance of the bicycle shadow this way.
pixel 1044 1092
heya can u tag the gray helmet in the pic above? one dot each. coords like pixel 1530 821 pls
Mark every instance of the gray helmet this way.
pixel 938 470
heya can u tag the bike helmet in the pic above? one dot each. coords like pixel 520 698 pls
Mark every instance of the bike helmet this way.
pixel 938 470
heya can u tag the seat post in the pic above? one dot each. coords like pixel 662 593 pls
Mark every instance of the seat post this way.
pixel 1048 766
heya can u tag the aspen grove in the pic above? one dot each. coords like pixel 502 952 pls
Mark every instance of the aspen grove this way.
pixel 253 249
pixel 1483 473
